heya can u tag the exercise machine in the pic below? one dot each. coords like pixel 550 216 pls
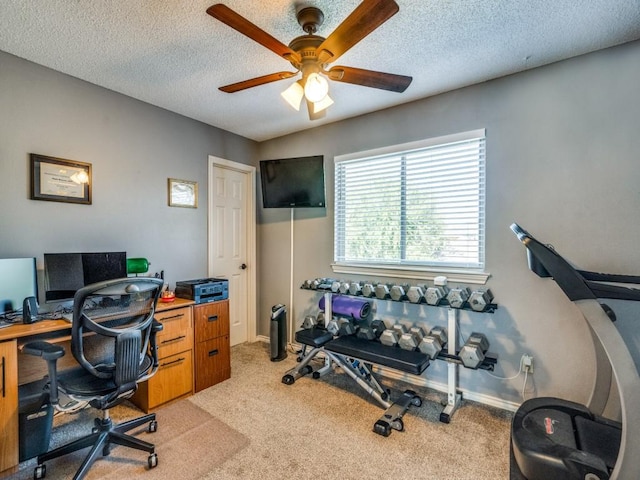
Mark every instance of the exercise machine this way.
pixel 553 438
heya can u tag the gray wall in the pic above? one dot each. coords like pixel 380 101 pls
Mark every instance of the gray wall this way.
pixel 562 160
pixel 133 148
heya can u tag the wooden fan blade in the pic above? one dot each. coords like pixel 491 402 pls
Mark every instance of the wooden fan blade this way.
pixel 245 27
pixel 370 78
pixel 367 16
pixel 315 116
pixel 254 82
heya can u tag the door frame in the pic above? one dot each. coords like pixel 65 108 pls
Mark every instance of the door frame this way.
pixel 250 174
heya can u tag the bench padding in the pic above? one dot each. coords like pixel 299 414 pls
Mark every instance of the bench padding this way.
pixel 314 337
pixel 373 352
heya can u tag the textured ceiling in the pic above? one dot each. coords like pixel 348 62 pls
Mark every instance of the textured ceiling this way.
pixel 173 55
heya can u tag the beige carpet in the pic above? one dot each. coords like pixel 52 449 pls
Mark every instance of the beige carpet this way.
pixel 323 429
pixel 256 427
pixel 189 443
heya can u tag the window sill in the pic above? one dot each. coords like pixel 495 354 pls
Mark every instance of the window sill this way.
pixel 475 277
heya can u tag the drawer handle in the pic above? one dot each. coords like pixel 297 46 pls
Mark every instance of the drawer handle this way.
pixel 179 360
pixel 213 352
pixel 174 339
pixel 174 316
pixel 3 379
pixel 213 318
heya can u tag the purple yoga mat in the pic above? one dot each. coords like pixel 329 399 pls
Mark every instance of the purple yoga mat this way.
pixel 343 306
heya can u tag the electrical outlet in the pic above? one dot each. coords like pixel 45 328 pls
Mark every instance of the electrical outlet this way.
pixel 526 363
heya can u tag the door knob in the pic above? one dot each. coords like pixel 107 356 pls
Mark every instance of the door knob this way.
pixel 243 266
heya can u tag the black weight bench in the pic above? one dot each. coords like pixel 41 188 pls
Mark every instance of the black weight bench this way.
pixel 354 355
pixel 315 338
pixel 412 362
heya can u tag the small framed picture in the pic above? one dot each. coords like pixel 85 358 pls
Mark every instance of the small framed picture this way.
pixel 60 180
pixel 183 193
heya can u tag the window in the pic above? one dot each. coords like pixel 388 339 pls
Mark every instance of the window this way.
pixel 414 206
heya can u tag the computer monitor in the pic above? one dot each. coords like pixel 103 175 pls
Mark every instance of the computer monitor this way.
pixel 66 273
pixel 18 280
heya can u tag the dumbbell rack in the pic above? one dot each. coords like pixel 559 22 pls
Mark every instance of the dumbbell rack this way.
pixel 454 397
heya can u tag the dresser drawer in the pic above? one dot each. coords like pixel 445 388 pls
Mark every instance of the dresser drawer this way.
pixel 213 362
pixel 173 379
pixel 177 334
pixel 211 320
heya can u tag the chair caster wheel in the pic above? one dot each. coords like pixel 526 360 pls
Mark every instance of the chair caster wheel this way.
pixel 153 460
pixel 288 379
pixel 153 426
pixel 39 472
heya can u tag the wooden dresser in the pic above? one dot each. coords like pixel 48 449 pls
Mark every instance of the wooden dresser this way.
pixel 193 350
pixel 174 378
pixel 212 350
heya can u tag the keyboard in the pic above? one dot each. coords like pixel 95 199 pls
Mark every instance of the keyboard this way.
pixel 5 323
pixel 97 313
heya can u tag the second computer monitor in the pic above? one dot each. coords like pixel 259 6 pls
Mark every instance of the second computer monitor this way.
pixel 66 273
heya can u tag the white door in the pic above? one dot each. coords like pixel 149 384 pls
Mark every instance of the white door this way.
pixel 232 241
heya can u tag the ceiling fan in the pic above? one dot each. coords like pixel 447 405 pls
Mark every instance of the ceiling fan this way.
pixel 311 54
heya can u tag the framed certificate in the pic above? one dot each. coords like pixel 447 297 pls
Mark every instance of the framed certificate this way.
pixel 183 193
pixel 60 180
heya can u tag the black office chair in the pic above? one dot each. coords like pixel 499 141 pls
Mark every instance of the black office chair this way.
pixel 113 338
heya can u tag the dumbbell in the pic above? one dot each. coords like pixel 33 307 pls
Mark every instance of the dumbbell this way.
pixel 333 326
pixel 368 290
pixel 344 287
pixel 480 299
pixel 346 328
pixel 382 291
pixel 457 297
pixel 378 326
pixel 335 286
pixel 398 292
pixel 433 342
pixel 372 331
pixel 355 288
pixel 315 283
pixel 366 333
pixel 435 294
pixel 400 329
pixel 415 294
pixel 411 339
pixel 473 351
pixel 325 284
pixel 306 284
pixel 309 322
pixel 320 320
pixel 389 337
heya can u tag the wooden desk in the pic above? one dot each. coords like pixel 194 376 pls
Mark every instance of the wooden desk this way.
pixel 14 372
pixel 10 338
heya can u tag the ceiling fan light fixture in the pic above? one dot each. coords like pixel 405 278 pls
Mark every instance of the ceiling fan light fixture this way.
pixel 293 95
pixel 323 104
pixel 316 88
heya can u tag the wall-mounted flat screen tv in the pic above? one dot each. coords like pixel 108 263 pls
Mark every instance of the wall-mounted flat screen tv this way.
pixel 293 182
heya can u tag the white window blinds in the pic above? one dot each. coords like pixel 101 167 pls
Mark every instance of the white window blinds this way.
pixel 421 205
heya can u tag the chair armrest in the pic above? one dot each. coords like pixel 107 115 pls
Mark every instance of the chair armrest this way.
pixel 51 353
pixel 46 350
pixel 156 326
pixel 153 347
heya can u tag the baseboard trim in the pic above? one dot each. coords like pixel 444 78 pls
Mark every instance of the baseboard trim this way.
pixel 421 381
pixel 442 387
